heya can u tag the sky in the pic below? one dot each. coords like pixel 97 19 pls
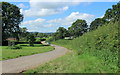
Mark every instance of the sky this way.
pixel 49 16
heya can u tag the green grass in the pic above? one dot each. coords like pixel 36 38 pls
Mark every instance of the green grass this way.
pixel 71 63
pixel 8 53
pixel 37 39
pixel 94 52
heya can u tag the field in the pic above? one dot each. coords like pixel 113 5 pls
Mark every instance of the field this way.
pixel 94 52
pixel 23 50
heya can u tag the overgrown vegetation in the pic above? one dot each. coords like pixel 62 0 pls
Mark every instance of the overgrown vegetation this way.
pixel 94 52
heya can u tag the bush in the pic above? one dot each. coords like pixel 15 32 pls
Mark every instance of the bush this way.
pixel 50 40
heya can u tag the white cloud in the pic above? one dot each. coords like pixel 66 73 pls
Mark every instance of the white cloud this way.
pixel 41 12
pixel 41 9
pixel 65 8
pixel 22 5
pixel 34 22
pixel 21 11
pixel 37 25
pixel 72 18
pixel 42 25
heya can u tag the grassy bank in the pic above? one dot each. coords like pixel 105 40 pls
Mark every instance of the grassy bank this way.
pixel 94 52
pixel 23 50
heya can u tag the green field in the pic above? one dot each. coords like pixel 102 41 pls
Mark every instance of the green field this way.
pixel 23 50
pixel 94 52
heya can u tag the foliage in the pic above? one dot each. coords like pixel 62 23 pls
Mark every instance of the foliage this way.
pixel 113 14
pixel 31 39
pixel 78 28
pixel 61 33
pixel 97 22
pixel 102 43
pixel 35 34
pixel 42 35
pixel 93 52
pixel 11 18
pixel 50 39
pixel 23 33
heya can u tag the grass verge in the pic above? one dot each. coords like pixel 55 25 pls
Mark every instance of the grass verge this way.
pixel 24 50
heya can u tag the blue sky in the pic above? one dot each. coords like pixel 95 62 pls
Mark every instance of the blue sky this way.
pixel 47 17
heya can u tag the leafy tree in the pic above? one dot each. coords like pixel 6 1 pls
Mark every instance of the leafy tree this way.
pixel 11 18
pixel 35 34
pixel 78 28
pixel 45 35
pixel 113 13
pixel 56 36
pixel 41 35
pixel 23 33
pixel 62 32
pixel 97 22
pixel 31 39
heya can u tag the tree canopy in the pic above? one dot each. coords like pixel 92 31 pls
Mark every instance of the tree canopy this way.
pixel 42 35
pixel 31 39
pixel 11 18
pixel 61 33
pixel 97 22
pixel 113 13
pixel 78 28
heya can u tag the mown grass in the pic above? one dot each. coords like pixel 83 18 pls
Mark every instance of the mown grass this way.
pixel 23 50
pixel 94 52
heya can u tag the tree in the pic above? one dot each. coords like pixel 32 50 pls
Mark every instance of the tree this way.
pixel 23 33
pixel 11 18
pixel 45 35
pixel 41 35
pixel 61 32
pixel 113 14
pixel 97 22
pixel 56 36
pixel 78 28
pixel 35 34
pixel 31 39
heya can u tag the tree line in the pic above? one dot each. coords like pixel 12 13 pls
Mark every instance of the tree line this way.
pixel 12 18
pixel 79 27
